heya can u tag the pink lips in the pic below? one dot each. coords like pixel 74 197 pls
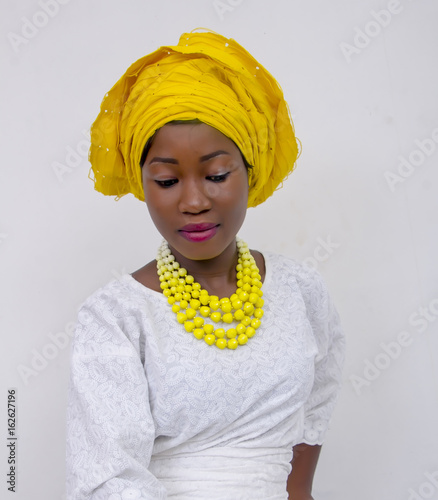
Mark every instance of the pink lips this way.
pixel 199 232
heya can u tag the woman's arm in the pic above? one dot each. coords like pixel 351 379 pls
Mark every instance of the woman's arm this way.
pixel 299 483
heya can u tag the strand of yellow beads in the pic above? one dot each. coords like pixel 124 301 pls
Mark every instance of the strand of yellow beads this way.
pixel 193 305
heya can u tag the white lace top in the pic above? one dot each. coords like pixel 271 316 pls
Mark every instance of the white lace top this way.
pixel 156 414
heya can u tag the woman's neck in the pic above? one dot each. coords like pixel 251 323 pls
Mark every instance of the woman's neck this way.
pixel 216 275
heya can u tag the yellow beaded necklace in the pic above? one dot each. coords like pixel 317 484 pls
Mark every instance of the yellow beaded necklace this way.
pixel 192 304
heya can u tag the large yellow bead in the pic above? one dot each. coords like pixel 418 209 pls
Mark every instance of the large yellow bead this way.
pixel 198 333
pixel 250 332
pixel 231 333
pixel 198 322
pixel 176 308
pixel 239 314
pixel 226 307
pixel 196 286
pixel 215 304
pixel 183 304
pixel 167 292
pixel 227 318
pixel 173 282
pixel 239 267
pixel 171 300
pixel 221 343
pixel 205 311
pixel 253 298
pixel 182 271
pixel 237 304
pixel 243 296
pixel 239 283
pixel 234 297
pixel 188 288
pixel 181 317
pixel 220 333
pixel 259 303
pixel 216 316
pixel 248 308
pixel 247 271
pixel 195 294
pixel 258 313
pixel 194 303
pixel 246 320
pixel 208 328
pixel 186 296
pixel 180 289
pixel 246 279
pixel 246 287
pixel 189 326
pixel 240 328
pixel 191 313
pixel 204 299
pixel 255 323
pixel 178 296
pixel 164 285
pixel 242 339
pixel 232 344
pixel 210 339
pixel 189 279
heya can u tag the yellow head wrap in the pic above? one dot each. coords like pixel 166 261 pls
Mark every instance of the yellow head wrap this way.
pixel 206 77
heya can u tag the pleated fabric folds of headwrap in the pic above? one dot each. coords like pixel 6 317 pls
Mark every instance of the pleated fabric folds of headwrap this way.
pixel 206 77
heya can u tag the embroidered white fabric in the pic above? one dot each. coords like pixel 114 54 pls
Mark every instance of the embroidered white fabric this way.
pixel 156 414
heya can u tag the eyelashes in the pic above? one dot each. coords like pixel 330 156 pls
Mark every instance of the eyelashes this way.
pixel 218 178
pixel 167 183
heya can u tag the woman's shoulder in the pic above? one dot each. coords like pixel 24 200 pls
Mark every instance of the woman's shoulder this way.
pixel 123 291
pixel 286 267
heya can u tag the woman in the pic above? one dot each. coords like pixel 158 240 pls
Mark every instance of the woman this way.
pixel 206 372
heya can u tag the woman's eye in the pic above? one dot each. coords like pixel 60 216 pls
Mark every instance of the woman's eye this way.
pixel 167 182
pixel 218 178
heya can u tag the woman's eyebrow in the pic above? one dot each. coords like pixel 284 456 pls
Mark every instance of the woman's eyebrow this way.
pixel 173 161
pixel 212 155
pixel 158 159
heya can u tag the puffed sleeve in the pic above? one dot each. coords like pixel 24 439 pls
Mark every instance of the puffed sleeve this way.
pixel 110 430
pixel 329 360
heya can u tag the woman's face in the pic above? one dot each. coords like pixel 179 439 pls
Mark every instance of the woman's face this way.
pixel 196 189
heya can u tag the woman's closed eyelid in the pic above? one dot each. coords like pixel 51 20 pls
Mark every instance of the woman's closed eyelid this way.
pixel 170 182
pixel 166 182
pixel 218 177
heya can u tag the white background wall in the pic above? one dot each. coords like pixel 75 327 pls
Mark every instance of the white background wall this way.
pixel 358 107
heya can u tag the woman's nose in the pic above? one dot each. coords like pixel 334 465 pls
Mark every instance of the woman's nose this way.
pixel 194 198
